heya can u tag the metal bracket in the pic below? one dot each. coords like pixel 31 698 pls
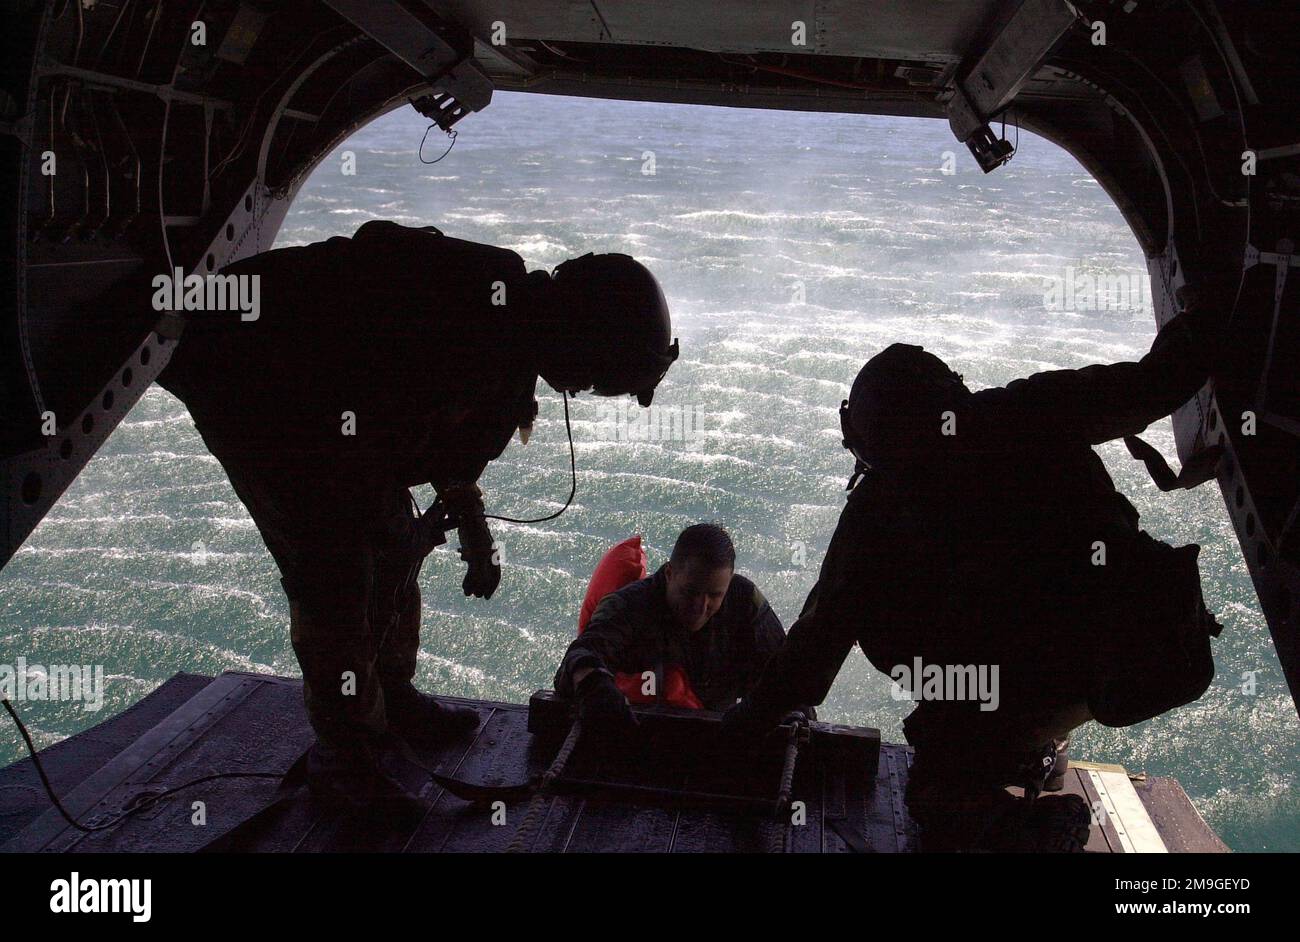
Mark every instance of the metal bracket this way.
pixel 996 76
pixel 442 53
pixel 31 482
pixel 1284 260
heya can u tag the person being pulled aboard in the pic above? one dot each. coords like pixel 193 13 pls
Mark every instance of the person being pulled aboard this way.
pixel 696 611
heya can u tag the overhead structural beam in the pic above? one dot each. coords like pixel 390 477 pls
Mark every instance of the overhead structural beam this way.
pixel 989 79
pixel 442 53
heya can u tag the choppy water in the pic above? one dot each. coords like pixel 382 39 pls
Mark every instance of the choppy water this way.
pixel 150 565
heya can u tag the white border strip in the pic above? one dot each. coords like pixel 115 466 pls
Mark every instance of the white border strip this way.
pixel 1137 832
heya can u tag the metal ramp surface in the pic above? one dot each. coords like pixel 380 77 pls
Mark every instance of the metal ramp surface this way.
pixel 254 723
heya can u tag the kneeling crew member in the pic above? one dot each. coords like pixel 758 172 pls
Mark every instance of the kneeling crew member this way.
pixel 979 547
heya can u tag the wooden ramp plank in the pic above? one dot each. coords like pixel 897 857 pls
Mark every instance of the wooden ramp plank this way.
pixel 607 823
pixel 720 832
pixel 558 825
pixel 885 816
pixel 809 787
pixel 607 827
pixel 1181 826
pixel 1102 836
pixel 280 833
pixel 260 733
pixel 256 723
pixel 1124 811
pixel 909 839
pixel 852 815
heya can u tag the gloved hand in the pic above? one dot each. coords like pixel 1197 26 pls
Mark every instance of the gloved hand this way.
pixel 602 708
pixel 476 548
pixel 464 503
pixel 482 576
pixel 1206 309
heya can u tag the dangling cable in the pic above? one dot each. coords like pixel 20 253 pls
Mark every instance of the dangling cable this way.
pixel 573 474
pixel 138 802
pixel 1016 146
pixel 451 133
pixel 40 770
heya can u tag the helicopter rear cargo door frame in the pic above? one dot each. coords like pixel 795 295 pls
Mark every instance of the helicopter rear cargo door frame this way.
pixel 1166 113
pixel 239 213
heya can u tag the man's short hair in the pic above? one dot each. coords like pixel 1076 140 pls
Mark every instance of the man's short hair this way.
pixel 706 542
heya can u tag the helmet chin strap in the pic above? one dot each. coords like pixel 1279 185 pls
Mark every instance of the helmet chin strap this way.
pixel 860 465
pixel 859 472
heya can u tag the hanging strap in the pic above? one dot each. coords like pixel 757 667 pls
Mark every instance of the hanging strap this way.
pixel 1196 471
pixel 849 835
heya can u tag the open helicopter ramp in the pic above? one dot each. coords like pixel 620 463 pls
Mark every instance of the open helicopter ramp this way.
pixel 835 789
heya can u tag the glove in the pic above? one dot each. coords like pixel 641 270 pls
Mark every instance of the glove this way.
pixel 476 549
pixel 482 576
pixel 464 502
pixel 602 708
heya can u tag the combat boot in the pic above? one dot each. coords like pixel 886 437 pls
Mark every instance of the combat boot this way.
pixel 354 777
pixel 424 722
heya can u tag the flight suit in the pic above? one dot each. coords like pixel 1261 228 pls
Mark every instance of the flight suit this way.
pixel 378 362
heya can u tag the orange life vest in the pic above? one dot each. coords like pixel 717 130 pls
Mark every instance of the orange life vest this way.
pixel 623 564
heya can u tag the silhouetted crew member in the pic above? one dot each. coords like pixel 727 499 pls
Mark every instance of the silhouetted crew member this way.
pixel 985 531
pixel 695 612
pixel 379 362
